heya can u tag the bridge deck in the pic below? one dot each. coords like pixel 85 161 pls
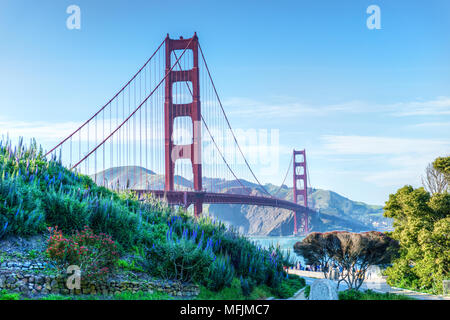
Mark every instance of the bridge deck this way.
pixel 186 198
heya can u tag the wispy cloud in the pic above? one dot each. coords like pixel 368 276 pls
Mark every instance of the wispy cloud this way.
pixel 396 161
pixel 432 125
pixel 437 107
pixel 372 145
pixel 288 107
pixel 43 131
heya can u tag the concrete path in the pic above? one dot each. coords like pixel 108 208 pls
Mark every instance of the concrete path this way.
pixel 299 295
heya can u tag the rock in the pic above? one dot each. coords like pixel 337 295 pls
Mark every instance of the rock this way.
pixel 11 279
pixel 24 289
pixel 323 289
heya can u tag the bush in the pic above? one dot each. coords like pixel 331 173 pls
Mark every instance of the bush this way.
pixel 289 287
pixel 220 275
pixel 110 217
pixel 94 254
pixel 181 259
pixel 64 210
pixel 19 214
pixel 247 286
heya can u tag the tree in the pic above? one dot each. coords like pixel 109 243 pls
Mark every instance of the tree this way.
pixel 314 250
pixel 422 227
pixel 443 165
pixel 434 180
pixel 353 253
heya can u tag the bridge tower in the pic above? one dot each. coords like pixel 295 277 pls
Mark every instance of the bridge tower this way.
pixel 300 186
pixel 171 111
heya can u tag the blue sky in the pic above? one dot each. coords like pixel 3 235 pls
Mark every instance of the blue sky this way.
pixel 372 107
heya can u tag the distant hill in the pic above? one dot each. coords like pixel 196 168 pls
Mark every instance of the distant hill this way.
pixel 329 210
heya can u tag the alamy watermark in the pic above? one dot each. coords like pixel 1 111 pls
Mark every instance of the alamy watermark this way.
pixel 374 20
pixel 260 147
pixel 74 20
pixel 74 279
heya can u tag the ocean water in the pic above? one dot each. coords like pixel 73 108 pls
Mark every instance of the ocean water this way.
pixel 286 244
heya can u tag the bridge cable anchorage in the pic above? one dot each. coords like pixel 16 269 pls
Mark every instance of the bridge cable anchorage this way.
pixel 228 123
pixel 137 109
pixel 102 108
pixel 213 140
pixel 285 177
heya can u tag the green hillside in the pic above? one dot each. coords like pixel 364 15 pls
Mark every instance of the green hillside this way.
pixel 108 232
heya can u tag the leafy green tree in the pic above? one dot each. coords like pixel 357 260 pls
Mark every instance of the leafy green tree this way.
pixel 443 165
pixel 422 227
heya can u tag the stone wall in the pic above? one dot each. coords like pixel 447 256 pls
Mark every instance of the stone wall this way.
pixel 23 266
pixel 36 284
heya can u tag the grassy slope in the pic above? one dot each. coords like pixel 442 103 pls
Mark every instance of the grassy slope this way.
pixel 36 194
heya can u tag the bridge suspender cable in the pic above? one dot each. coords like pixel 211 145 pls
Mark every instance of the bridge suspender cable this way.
pixel 213 140
pixel 228 123
pixel 142 103
pixel 102 108
pixel 285 177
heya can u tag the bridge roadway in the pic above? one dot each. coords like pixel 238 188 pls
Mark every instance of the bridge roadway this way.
pixel 186 198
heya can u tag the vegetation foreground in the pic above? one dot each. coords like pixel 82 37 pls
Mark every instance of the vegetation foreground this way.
pixel 108 233
pixel 111 235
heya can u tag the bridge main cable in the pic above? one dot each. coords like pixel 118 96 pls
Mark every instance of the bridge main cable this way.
pixel 102 108
pixel 142 103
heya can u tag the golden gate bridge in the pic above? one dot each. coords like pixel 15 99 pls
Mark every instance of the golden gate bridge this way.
pixel 160 119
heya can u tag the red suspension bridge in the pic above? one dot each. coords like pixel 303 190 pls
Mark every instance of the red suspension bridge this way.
pixel 161 135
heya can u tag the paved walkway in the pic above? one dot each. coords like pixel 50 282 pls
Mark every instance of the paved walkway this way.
pixel 377 284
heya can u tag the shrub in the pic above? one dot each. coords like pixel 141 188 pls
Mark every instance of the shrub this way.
pixel 220 275
pixel 94 254
pixel 289 286
pixel 19 214
pixel 110 217
pixel 64 210
pixel 131 266
pixel 247 286
pixel 179 259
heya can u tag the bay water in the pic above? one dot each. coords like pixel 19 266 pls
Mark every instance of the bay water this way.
pixel 286 244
